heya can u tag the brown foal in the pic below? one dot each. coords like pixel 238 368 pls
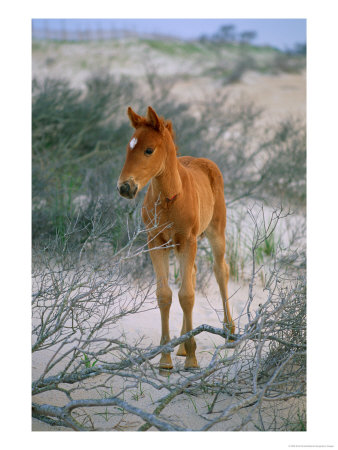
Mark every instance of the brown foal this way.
pixel 188 194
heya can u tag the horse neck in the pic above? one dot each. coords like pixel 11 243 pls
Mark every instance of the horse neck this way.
pixel 168 183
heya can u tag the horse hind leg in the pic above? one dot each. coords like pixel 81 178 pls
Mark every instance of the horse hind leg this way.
pixel 181 349
pixel 221 271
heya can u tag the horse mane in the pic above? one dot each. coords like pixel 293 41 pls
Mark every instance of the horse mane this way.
pixel 165 124
pixel 169 126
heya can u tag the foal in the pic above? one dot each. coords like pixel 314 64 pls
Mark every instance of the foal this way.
pixel 187 193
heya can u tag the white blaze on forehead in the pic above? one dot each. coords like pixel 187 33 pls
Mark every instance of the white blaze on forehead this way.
pixel 132 143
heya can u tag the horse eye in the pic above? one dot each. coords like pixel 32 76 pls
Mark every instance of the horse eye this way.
pixel 148 151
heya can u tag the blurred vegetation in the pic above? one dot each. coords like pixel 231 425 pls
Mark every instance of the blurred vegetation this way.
pixel 78 149
pixel 76 153
pixel 172 47
pixel 248 56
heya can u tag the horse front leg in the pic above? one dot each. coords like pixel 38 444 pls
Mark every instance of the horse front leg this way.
pixel 186 255
pixel 181 349
pixel 160 260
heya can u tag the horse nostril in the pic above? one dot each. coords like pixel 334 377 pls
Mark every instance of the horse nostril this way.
pixel 124 189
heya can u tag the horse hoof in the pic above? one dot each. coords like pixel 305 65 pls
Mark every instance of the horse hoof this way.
pixel 191 369
pixel 191 363
pixel 166 366
pixel 166 362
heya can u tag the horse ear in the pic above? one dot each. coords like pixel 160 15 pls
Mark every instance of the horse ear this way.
pixel 154 120
pixel 135 119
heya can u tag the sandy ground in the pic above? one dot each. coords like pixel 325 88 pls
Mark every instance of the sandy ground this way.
pixel 281 96
pixel 147 324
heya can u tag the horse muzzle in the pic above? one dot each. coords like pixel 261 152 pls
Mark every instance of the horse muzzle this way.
pixel 128 189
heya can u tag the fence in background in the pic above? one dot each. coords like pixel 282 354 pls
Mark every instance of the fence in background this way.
pixel 94 32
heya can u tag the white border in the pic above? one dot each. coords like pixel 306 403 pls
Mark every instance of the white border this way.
pixel 322 217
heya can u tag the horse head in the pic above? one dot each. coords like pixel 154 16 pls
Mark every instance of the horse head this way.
pixel 146 151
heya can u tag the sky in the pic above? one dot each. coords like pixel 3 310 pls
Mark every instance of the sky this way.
pixel 280 33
